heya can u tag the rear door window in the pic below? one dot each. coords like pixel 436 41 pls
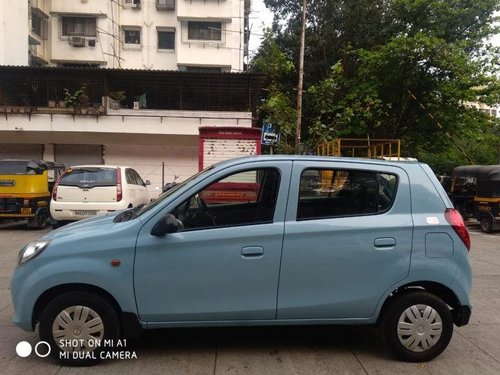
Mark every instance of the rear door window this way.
pixel 89 177
pixel 329 193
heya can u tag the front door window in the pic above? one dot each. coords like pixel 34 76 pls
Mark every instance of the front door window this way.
pixel 244 198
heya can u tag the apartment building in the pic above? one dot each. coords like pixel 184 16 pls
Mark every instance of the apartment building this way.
pixel 37 121
pixel 186 35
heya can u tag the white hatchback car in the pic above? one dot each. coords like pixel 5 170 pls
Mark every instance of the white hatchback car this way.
pixel 89 190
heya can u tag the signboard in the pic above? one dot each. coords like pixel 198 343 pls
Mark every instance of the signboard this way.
pixel 269 135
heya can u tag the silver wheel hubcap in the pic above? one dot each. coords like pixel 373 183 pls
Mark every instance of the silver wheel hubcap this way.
pixel 419 328
pixel 78 328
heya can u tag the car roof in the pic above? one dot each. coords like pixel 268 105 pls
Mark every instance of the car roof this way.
pixel 316 158
pixel 98 166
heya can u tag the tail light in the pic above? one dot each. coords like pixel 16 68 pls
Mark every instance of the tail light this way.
pixel 54 189
pixel 119 194
pixel 456 221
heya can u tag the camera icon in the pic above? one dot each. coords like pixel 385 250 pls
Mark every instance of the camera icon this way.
pixel 42 349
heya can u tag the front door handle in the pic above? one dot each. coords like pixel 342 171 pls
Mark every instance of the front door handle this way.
pixel 384 243
pixel 252 252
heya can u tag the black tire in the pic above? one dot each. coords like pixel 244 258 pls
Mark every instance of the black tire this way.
pixel 42 220
pixel 486 225
pixel 392 318
pixel 98 305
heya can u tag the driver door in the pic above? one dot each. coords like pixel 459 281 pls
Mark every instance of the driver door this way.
pixel 224 263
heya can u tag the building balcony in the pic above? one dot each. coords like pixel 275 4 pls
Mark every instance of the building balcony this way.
pixel 96 7
pixel 208 9
pixel 36 55
pixel 158 94
pixel 39 6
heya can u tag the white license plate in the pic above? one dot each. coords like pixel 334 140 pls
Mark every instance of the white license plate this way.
pixel 86 213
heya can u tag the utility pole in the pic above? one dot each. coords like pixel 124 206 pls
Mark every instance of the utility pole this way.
pixel 301 76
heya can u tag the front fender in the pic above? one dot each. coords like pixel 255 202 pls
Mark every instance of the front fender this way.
pixel 117 281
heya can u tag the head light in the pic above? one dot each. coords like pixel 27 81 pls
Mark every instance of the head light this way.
pixel 31 250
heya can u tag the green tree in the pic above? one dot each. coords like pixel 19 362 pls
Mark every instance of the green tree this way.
pixel 277 107
pixel 396 69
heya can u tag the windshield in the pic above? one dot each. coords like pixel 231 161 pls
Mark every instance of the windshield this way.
pixel 169 192
pixel 19 167
pixel 89 177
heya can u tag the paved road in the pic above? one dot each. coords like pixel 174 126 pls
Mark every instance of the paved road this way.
pixel 474 349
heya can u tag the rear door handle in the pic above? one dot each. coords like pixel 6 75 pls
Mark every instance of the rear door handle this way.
pixel 384 243
pixel 252 252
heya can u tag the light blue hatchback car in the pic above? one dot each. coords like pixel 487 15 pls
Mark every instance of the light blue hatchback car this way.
pixel 281 240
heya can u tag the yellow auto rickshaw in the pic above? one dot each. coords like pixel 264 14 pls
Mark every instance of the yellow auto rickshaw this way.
pixel 475 192
pixel 25 190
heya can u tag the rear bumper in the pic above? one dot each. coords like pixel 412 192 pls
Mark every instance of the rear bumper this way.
pixel 63 211
pixel 15 216
pixel 461 315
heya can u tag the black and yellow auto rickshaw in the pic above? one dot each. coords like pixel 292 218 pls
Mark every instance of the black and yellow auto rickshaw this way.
pixel 475 192
pixel 25 190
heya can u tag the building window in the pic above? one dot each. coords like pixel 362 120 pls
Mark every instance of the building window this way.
pixel 81 26
pixel 166 39
pixel 165 4
pixel 132 37
pixel 204 69
pixel 204 30
pixel 36 25
pixel 133 3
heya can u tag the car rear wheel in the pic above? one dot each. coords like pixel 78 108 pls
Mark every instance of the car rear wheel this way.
pixel 486 225
pixel 418 326
pixel 42 220
pixel 76 326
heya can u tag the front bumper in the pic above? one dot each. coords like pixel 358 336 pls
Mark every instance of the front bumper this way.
pixel 23 288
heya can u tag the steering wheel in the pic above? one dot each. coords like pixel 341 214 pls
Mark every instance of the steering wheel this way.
pixel 204 208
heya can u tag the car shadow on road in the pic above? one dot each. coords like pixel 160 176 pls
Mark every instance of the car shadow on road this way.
pixel 336 338
pixel 20 225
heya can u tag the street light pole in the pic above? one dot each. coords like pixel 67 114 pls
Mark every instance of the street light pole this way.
pixel 301 77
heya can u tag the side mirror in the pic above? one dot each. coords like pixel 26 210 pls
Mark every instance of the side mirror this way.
pixel 148 182
pixel 167 224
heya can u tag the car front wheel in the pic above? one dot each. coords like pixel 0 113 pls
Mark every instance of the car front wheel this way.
pixel 418 326
pixel 77 325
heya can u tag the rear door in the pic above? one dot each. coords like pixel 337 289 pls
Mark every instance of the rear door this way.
pixel 88 185
pixel 348 238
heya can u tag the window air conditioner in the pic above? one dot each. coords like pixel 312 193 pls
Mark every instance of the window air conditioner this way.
pixel 77 41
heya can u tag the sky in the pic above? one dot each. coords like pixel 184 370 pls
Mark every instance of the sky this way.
pixel 260 17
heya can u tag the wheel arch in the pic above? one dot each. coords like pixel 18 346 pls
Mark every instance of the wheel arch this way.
pixel 129 322
pixel 432 287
